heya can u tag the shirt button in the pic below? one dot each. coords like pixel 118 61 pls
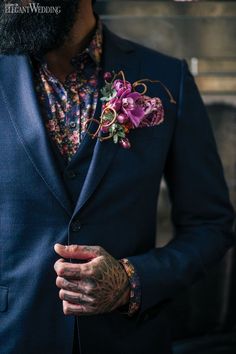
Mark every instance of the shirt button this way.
pixel 71 174
pixel 72 124
pixel 75 226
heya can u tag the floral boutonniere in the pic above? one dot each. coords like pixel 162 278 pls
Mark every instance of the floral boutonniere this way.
pixel 126 106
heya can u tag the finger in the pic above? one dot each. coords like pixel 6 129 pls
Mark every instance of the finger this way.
pixel 65 284
pixel 77 310
pixel 75 298
pixel 70 270
pixel 78 251
pixel 83 286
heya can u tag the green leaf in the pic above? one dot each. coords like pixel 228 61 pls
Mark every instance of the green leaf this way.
pixel 115 138
pixel 114 128
pixel 108 92
pixel 121 134
pixel 121 128
pixel 109 115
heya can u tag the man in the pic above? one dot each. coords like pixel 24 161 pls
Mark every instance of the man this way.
pixel 91 199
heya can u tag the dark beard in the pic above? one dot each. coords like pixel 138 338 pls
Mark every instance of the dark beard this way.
pixel 36 33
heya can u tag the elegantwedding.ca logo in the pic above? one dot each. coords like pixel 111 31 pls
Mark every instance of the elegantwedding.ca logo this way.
pixel 31 7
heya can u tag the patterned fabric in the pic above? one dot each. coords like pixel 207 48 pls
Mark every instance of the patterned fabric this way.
pixel 135 292
pixel 66 108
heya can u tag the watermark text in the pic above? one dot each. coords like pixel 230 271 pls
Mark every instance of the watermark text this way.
pixel 31 8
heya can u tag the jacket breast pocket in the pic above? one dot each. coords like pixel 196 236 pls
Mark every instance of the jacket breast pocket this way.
pixel 146 133
pixel 3 298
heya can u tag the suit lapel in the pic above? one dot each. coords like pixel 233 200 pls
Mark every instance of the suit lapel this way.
pixel 118 55
pixel 19 96
pixel 17 86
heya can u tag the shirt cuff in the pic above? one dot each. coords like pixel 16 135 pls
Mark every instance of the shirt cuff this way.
pixel 135 287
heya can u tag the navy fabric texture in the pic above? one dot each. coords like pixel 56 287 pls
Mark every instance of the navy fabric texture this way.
pixel 112 203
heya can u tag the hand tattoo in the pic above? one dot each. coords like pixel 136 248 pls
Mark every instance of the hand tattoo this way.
pixel 98 286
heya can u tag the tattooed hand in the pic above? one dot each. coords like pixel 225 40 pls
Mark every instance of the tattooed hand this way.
pixel 100 285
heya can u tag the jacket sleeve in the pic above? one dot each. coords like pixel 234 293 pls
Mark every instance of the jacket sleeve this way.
pixel 201 211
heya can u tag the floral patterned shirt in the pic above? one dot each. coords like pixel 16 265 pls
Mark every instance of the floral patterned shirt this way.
pixel 68 105
pixel 66 108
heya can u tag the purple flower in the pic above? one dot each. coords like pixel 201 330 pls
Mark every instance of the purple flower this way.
pixel 154 110
pixel 149 104
pixel 122 118
pixel 122 87
pixel 124 108
pixel 125 143
pixel 105 128
pixel 107 76
pixel 132 108
pixel 115 103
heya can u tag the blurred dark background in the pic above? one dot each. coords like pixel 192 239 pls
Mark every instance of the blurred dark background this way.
pixel 204 33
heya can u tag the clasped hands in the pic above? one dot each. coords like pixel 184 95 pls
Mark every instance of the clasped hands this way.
pixel 99 285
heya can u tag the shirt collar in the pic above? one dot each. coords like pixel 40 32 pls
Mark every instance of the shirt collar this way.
pixel 94 49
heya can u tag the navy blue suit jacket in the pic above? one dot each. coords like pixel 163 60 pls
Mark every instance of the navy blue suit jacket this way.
pixel 116 209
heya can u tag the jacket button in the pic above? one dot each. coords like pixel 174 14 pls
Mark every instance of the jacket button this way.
pixel 71 174
pixel 75 226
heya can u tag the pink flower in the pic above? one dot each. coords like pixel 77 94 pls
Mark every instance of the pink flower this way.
pixel 132 107
pixel 122 118
pixel 74 138
pixel 51 125
pixel 154 111
pixel 125 143
pixel 65 148
pixel 124 108
pixel 115 103
pixel 107 76
pixel 122 87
